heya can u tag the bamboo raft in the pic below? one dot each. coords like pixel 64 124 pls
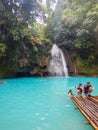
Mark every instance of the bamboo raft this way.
pixel 89 108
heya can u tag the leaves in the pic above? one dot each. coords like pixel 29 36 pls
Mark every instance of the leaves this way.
pixel 2 49
pixel 28 28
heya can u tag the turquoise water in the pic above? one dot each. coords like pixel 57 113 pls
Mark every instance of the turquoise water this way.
pixel 41 104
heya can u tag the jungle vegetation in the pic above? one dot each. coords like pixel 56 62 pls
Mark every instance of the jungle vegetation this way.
pixel 28 28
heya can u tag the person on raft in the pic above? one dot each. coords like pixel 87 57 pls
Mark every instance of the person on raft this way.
pixel 88 88
pixel 79 89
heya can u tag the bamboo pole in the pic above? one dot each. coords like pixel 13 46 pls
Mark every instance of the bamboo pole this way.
pixel 89 109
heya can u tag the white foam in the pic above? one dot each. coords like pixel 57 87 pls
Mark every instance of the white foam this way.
pixel 67 105
pixel 43 118
pixel 36 114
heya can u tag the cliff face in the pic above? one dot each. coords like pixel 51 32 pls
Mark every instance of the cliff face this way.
pixel 37 70
pixel 41 67
pixel 71 65
pixel 36 63
pixel 26 59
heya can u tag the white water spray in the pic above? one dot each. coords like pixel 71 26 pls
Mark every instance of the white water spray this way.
pixel 58 65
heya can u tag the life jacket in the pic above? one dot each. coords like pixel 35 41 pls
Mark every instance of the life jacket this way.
pixel 80 89
pixel 86 88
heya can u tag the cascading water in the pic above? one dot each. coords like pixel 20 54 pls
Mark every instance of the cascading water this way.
pixel 58 65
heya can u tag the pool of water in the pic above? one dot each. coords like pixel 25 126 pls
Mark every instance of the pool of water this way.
pixel 41 104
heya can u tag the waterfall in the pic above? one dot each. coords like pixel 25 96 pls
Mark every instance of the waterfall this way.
pixel 58 65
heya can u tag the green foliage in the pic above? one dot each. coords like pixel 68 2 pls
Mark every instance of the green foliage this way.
pixel 82 43
pixel 29 28
pixel 85 67
pixel 35 49
pixel 2 49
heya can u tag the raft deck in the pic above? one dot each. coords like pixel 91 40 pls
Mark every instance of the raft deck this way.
pixel 89 108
